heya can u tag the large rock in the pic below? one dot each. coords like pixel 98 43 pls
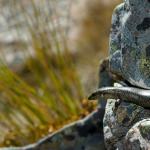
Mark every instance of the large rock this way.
pixel 85 134
pixel 127 126
pixel 130 42
pixel 138 137
pixel 124 127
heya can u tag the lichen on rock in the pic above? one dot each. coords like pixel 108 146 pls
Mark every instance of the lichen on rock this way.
pixel 130 42
pixel 138 137
pixel 120 122
pixel 126 125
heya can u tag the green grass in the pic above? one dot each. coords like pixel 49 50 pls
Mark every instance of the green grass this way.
pixel 47 91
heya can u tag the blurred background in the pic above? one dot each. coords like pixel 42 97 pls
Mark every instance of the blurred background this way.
pixel 49 60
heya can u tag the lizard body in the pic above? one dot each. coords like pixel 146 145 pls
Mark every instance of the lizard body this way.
pixel 134 95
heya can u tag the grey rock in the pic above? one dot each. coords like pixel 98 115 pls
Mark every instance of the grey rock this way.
pixel 124 126
pixel 139 135
pixel 130 42
pixel 85 134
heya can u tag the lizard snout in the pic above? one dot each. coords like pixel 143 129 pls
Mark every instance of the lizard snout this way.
pixel 95 95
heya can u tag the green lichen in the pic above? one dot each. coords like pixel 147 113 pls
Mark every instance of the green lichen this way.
pixel 145 131
pixel 114 47
pixel 145 66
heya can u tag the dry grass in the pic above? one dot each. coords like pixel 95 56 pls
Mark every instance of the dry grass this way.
pixel 44 92
pixel 47 92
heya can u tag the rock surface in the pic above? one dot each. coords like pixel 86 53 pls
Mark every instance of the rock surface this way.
pixel 85 134
pixel 139 134
pixel 126 126
pixel 130 42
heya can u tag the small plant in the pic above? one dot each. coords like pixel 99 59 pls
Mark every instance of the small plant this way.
pixel 46 92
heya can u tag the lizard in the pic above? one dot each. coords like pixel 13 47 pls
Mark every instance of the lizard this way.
pixel 129 53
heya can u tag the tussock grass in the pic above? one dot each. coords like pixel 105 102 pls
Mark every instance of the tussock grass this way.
pixel 47 91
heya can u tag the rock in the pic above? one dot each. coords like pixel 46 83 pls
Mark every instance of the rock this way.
pixel 124 126
pixel 85 134
pixel 130 42
pixel 138 137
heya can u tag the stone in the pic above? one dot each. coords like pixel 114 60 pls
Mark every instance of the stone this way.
pixel 130 42
pixel 85 134
pixel 121 121
pixel 138 137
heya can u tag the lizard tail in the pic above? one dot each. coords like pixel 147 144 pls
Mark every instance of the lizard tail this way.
pixel 130 94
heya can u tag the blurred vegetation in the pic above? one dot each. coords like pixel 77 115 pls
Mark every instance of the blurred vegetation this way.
pixel 89 36
pixel 46 93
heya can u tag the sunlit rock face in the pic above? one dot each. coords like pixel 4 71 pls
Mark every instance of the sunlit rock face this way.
pixel 130 42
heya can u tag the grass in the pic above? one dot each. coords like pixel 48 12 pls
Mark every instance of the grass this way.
pixel 47 92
